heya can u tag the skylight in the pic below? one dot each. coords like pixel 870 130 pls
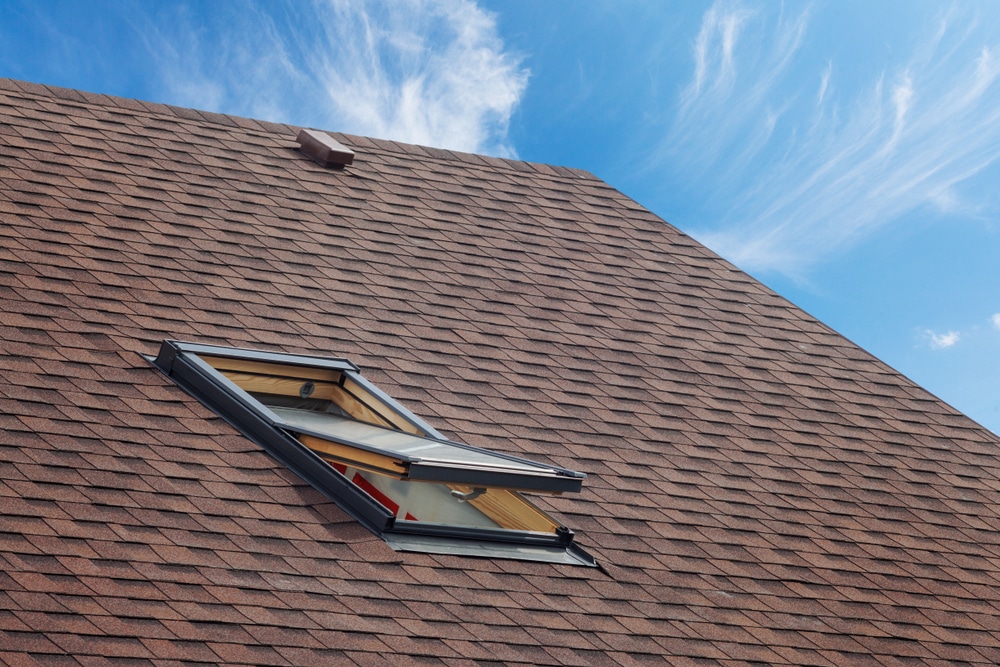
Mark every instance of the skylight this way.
pixel 381 463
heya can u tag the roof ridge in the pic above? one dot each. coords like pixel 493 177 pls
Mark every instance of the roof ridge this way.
pixel 132 104
pixel 478 159
pixel 229 120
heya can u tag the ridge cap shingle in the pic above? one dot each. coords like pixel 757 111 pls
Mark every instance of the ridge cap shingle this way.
pixel 230 120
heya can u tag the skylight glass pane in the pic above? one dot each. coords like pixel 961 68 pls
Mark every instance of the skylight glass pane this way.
pixel 406 446
pixel 418 502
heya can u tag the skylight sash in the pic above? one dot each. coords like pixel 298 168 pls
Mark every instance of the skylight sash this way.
pixel 431 460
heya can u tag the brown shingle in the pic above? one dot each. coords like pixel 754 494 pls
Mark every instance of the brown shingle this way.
pixel 760 490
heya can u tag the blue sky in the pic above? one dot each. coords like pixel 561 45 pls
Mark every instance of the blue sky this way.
pixel 845 153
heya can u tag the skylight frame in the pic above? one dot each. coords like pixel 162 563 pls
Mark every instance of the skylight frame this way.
pixel 183 363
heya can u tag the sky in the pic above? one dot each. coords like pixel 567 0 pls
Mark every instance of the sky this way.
pixel 845 153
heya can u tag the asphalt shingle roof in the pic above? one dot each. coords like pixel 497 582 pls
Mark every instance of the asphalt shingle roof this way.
pixel 760 491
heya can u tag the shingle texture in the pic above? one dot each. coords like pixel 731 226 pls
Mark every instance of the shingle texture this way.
pixel 760 491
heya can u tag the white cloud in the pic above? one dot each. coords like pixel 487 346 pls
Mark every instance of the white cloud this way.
pixel 428 72
pixel 432 72
pixel 996 320
pixel 720 29
pixel 718 110
pixel 943 341
pixel 824 84
pixel 800 176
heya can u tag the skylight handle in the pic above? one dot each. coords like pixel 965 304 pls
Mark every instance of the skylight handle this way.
pixel 471 495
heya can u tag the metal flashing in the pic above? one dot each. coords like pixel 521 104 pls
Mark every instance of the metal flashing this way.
pixel 572 555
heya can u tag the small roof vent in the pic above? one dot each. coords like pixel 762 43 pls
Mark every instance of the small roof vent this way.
pixel 324 149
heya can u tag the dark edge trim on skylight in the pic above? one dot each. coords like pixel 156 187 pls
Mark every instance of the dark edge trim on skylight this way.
pixel 244 413
pixel 244 417
pixel 331 363
pixel 562 539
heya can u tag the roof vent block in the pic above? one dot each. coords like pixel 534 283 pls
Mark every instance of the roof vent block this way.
pixel 324 149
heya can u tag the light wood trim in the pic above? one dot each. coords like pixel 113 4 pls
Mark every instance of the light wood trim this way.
pixel 510 510
pixel 356 458
pixel 283 386
pixel 374 402
pixel 268 368
pixel 356 408
pixel 286 380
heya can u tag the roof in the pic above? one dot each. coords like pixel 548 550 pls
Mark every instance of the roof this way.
pixel 759 490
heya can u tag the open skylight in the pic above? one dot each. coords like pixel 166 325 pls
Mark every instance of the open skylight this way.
pixel 377 460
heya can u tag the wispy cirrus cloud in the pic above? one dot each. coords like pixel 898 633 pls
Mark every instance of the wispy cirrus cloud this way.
pixel 720 115
pixel 942 341
pixel 804 171
pixel 432 72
